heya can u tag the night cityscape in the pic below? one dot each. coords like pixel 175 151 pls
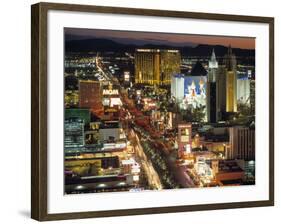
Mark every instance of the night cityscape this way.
pixel 152 111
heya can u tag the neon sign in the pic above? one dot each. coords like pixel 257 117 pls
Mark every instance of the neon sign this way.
pixel 110 92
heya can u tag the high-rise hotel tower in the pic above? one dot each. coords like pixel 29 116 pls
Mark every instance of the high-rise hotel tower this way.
pixel 212 90
pixel 231 81
pixel 155 66
pixel 90 95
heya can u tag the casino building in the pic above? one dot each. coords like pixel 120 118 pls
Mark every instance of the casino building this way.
pixel 190 90
pixel 243 90
pixel 90 95
pixel 222 87
pixel 212 90
pixel 177 87
pixel 231 81
pixel 156 66
pixel 111 100
pixel 242 142
pixel 73 133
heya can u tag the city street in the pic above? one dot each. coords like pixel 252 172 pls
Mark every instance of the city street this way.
pixel 153 109
pixel 146 165
pixel 152 175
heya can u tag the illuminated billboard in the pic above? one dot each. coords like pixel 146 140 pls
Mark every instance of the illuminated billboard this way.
pixel 110 90
pixel 106 101
pixel 195 91
pixel 115 102
pixel 126 76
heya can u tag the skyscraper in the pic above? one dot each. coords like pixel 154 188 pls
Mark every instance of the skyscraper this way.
pixel 242 143
pixel 243 91
pixel 221 93
pixel 170 61
pixel 231 81
pixel 90 95
pixel 213 66
pixel 155 66
pixel 73 133
pixel 212 90
pixel 177 87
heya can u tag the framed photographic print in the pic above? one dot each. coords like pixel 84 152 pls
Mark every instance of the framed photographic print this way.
pixel 139 111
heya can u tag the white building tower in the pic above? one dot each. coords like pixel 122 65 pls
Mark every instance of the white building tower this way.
pixel 213 67
pixel 212 90
pixel 177 87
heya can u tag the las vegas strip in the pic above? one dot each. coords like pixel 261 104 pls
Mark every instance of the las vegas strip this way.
pixel 153 111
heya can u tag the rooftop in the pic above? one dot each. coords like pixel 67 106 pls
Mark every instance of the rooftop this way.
pixel 157 50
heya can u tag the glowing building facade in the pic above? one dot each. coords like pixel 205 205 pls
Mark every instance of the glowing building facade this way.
pixel 195 91
pixel 177 87
pixel 243 91
pixel 90 95
pixel 231 81
pixel 111 100
pixel 189 91
pixel 213 67
pixel 155 66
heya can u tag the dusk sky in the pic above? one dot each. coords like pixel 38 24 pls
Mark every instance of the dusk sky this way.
pixel 140 38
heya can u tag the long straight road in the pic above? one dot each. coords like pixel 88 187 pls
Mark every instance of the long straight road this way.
pixel 152 176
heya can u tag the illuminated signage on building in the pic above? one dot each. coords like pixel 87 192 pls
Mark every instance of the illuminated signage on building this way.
pixel 110 92
pixel 110 110
pixel 195 91
pixel 135 168
pixel 136 178
pixel 156 50
pixel 187 148
pixel 127 76
pixel 115 102
pixel 106 101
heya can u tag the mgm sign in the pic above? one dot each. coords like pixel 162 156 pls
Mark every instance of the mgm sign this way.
pixel 110 91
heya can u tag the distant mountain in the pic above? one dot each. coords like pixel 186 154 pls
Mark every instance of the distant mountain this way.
pixel 70 37
pixel 102 45
pixel 96 44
